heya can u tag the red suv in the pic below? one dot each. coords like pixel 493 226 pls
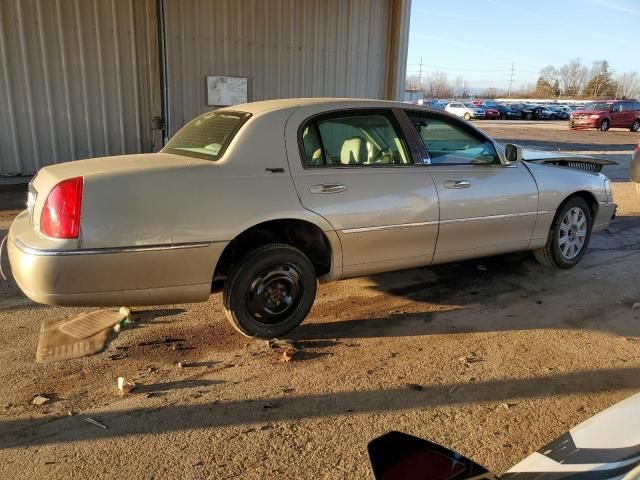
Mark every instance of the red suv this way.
pixel 604 115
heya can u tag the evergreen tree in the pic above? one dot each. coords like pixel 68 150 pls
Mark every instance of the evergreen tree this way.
pixel 600 84
pixel 543 88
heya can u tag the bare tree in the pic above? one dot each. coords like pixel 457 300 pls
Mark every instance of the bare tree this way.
pixel 549 74
pixel 489 93
pixel 573 77
pixel 628 84
pixel 437 86
pixel 461 87
pixel 564 76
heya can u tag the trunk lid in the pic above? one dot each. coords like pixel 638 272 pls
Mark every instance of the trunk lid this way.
pixel 50 176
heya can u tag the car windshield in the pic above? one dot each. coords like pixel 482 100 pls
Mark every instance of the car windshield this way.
pixel 598 106
pixel 471 105
pixel 207 136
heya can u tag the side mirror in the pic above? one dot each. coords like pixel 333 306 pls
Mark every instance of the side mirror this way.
pixel 513 152
pixel 398 456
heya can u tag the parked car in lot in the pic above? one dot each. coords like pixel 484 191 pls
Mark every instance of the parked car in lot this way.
pixel 490 113
pixel 525 112
pixel 558 112
pixel 539 112
pixel 261 200
pixel 433 103
pixel 508 113
pixel 464 110
pixel 605 115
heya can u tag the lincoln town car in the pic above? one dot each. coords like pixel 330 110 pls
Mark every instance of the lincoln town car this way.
pixel 263 200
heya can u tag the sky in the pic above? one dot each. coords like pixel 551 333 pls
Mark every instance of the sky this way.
pixel 481 39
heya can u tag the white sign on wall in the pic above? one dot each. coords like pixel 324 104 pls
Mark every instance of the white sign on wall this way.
pixel 224 91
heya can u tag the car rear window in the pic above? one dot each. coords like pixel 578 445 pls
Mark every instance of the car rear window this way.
pixel 207 136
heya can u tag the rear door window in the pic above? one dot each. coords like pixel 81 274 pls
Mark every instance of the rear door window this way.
pixel 354 139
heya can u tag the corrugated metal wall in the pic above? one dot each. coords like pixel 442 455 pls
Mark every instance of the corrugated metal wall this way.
pixel 78 79
pixel 286 48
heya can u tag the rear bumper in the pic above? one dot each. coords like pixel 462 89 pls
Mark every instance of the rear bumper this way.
pixel 139 275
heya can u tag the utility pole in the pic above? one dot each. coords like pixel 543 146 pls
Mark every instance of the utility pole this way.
pixel 511 80
pixel 420 76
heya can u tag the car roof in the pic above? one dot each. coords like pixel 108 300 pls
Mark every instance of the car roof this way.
pixel 286 103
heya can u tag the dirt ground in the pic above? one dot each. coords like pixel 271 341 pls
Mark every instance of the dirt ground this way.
pixel 378 353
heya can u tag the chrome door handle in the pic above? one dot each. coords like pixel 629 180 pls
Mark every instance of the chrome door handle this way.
pixel 457 184
pixel 328 188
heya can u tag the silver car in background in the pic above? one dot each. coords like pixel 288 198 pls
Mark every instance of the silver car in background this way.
pixel 464 110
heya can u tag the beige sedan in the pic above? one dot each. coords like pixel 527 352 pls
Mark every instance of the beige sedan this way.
pixel 262 200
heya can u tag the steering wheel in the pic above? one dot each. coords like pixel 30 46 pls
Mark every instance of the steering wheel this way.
pixel 382 154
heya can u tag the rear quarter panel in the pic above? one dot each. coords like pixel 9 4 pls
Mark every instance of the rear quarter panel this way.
pixel 200 200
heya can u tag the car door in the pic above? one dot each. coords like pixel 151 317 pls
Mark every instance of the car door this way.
pixel 628 116
pixel 356 169
pixel 617 115
pixel 486 205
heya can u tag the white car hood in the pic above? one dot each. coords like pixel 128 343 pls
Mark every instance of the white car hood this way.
pixel 607 446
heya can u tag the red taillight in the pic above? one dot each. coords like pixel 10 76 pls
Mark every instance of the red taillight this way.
pixel 61 212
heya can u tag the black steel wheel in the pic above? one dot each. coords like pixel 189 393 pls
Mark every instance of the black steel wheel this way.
pixel 270 292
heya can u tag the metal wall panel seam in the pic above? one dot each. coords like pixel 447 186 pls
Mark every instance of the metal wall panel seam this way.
pixel 65 79
pixel 83 77
pixel 134 61
pixel 9 99
pixel 27 76
pixel 103 104
pixel 47 84
pixel 116 50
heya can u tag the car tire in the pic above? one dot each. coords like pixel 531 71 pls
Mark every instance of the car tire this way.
pixel 636 126
pixel 565 244
pixel 270 291
pixel 604 125
pixel 528 116
pixel 503 116
pixel 467 117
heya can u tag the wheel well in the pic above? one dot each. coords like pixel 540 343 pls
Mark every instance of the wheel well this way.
pixel 305 236
pixel 587 197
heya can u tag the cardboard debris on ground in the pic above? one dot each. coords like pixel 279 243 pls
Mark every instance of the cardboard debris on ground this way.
pixel 288 354
pixel 277 343
pixel 124 386
pixel 39 400
pixel 288 348
pixel 88 324
pixel 471 358
pixel 79 336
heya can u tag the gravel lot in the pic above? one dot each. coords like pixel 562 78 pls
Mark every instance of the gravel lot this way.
pixel 555 347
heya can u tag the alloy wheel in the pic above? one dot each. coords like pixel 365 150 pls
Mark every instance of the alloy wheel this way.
pixel 572 233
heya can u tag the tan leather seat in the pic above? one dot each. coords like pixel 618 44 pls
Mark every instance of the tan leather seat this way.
pixel 353 151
